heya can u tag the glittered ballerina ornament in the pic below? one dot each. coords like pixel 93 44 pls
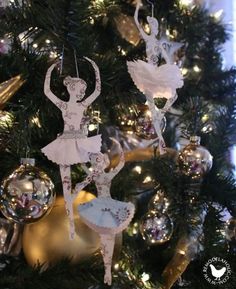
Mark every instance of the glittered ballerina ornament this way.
pixel 105 215
pixel 152 80
pixel 73 146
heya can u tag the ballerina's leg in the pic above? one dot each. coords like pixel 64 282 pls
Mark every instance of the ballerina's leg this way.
pixel 156 120
pixel 107 246
pixel 158 116
pixel 170 101
pixel 66 182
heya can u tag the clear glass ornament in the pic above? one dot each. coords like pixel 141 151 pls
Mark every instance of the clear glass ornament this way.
pixel 27 194
pixel 195 160
pixel 156 228
pixel 230 230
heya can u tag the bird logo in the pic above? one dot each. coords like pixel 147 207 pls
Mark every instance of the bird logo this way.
pixel 217 273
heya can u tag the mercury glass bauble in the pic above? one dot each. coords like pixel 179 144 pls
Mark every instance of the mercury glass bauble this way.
pixel 156 228
pixel 195 160
pixel 27 194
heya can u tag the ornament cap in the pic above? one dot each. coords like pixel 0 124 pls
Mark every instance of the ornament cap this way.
pixel 195 139
pixel 27 161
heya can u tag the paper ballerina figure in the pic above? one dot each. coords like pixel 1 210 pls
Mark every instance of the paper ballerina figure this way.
pixel 73 145
pixel 105 215
pixel 154 81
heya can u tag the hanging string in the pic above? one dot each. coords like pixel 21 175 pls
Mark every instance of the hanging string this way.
pixel 26 140
pixel 152 7
pixel 76 64
pixel 62 59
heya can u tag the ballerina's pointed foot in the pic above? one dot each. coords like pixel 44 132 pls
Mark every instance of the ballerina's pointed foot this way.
pixel 72 230
pixel 108 278
pixel 71 236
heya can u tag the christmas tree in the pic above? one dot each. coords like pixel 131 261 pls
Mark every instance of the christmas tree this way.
pixel 178 237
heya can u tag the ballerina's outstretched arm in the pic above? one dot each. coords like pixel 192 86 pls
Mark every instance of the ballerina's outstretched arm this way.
pixel 164 54
pixel 97 90
pixel 58 102
pixel 79 186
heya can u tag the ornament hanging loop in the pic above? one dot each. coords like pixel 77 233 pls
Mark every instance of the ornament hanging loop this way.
pixel 152 4
pixel 62 59
pixel 76 64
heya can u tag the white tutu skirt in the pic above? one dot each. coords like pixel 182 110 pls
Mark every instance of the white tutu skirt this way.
pixel 106 216
pixel 69 151
pixel 156 81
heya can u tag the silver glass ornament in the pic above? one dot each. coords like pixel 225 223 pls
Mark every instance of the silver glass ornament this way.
pixel 156 228
pixel 27 194
pixel 195 160
pixel 230 229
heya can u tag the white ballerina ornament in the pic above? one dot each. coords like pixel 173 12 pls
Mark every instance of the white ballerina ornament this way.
pixel 151 80
pixel 105 215
pixel 73 146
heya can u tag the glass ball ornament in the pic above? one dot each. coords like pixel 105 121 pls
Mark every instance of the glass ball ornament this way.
pixel 195 160
pixel 143 124
pixel 27 194
pixel 156 228
pixel 230 230
pixel 230 235
pixel 159 202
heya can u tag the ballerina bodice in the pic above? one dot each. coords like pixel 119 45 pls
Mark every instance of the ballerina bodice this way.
pixel 103 185
pixel 72 114
pixel 152 49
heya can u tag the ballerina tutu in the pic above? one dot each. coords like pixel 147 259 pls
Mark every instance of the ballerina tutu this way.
pixel 72 148
pixel 157 81
pixel 105 215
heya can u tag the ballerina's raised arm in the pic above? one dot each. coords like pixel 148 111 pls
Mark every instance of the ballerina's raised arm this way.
pixel 47 90
pixel 115 171
pixel 80 186
pixel 139 26
pixel 97 90
pixel 154 47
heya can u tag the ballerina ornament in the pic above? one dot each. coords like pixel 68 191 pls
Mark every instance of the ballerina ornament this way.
pixel 153 81
pixel 73 146
pixel 105 215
